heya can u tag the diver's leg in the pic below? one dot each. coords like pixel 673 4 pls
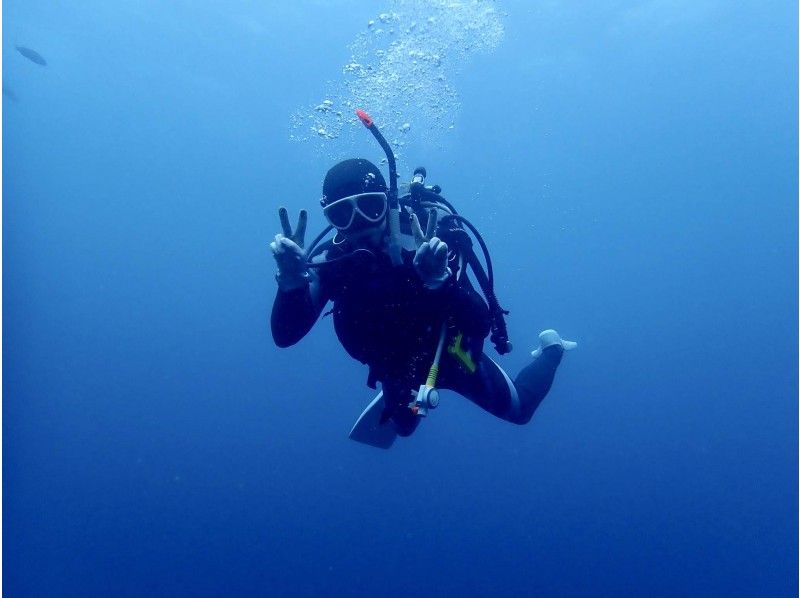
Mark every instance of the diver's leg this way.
pixel 490 388
pixel 534 381
pixel 405 421
pixel 397 396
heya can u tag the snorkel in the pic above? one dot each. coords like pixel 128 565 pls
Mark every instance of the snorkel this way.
pixel 393 215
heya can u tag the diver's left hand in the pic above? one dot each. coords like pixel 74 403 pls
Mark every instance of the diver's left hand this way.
pixel 430 260
pixel 431 263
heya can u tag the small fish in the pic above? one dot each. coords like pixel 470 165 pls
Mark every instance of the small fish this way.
pixel 32 55
pixel 7 92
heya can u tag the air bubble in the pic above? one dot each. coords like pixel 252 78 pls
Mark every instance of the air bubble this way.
pixel 403 80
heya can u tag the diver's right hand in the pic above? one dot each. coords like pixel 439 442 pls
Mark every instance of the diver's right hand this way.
pixel 287 248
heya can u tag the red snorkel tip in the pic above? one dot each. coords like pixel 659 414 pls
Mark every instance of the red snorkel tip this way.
pixel 365 118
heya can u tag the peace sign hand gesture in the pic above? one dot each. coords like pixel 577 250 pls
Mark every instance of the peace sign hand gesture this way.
pixel 430 260
pixel 287 248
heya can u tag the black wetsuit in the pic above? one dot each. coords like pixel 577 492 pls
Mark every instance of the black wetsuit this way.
pixel 386 318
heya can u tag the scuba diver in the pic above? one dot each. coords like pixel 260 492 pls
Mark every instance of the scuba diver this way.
pixel 403 302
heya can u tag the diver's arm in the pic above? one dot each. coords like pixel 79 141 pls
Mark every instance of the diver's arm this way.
pixel 294 312
pixel 300 296
pixel 464 305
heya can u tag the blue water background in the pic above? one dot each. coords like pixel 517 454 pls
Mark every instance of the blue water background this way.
pixel 633 167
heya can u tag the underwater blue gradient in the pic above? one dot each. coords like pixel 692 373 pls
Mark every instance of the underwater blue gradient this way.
pixel 633 167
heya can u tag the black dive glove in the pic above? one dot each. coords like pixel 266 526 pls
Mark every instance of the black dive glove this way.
pixel 430 261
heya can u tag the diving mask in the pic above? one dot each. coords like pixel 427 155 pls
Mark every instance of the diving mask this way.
pixel 370 206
